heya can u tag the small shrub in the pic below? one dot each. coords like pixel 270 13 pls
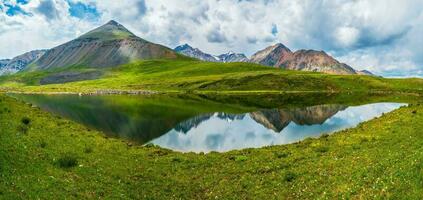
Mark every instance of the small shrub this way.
pixel 282 155
pixel 25 120
pixel 88 149
pixel 43 144
pixel 363 140
pixel 324 137
pixel 289 176
pixel 67 161
pixel 322 149
pixel 356 147
pixel 241 158
pixel 176 159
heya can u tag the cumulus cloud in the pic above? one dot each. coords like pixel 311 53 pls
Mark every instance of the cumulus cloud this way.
pixel 381 35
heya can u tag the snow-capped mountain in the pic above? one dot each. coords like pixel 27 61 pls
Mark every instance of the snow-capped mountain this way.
pixel 187 50
pixel 4 62
pixel 232 57
pixel 20 62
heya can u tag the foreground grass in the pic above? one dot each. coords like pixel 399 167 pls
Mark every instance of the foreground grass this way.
pixel 47 157
pixel 203 77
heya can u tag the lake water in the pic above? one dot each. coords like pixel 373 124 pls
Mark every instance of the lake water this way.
pixel 202 125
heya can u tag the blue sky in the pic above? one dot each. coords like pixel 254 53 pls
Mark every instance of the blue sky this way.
pixel 383 36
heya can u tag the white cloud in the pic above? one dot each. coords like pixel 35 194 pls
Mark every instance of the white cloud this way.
pixel 347 36
pixel 384 35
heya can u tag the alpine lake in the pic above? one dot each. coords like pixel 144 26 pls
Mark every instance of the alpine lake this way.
pixel 220 123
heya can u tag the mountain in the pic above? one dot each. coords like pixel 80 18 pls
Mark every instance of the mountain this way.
pixel 187 50
pixel 272 55
pixel 20 62
pixel 279 55
pixel 232 57
pixel 195 53
pixel 365 72
pixel 4 62
pixel 278 119
pixel 108 45
pixel 316 61
pixel 191 123
pixel 274 119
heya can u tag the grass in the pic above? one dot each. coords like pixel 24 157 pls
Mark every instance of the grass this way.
pixel 186 75
pixel 68 160
pixel 382 158
pixel 43 156
pixel 25 121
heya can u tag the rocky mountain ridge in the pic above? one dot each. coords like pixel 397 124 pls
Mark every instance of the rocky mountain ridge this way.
pixel 190 51
pixel 274 119
pixel 232 57
pixel 18 63
pixel 112 45
pixel 280 56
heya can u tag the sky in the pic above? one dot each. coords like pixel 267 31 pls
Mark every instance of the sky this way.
pixel 383 36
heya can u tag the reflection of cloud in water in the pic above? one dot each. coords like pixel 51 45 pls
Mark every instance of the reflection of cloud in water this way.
pixel 221 132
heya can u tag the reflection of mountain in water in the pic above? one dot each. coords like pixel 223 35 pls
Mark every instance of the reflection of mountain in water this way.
pixel 275 119
pixel 187 125
pixel 144 119
pixel 116 116
pixel 278 119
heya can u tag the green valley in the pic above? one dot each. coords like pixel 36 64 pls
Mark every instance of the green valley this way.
pixel 110 115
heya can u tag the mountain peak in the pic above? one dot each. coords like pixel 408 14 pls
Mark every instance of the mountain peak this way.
pixel 190 51
pixel 183 47
pixel 106 46
pixel 278 45
pixel 278 55
pixel 232 57
pixel 365 72
pixel 113 22
pixel 112 30
pixel 271 55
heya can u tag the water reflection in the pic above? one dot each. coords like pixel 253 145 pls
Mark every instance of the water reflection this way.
pixel 185 124
pixel 223 132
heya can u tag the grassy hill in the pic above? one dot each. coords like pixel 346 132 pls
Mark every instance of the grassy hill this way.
pixel 190 75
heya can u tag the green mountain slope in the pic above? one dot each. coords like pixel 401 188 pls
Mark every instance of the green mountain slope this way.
pixel 107 46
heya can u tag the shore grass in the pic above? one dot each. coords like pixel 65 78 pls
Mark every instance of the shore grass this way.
pixel 186 75
pixel 59 159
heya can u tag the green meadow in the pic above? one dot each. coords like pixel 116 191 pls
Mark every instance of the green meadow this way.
pixel 186 75
pixel 45 156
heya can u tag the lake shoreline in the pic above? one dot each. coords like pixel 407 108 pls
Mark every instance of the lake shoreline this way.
pixel 208 92
pixel 328 167
pixel 187 123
